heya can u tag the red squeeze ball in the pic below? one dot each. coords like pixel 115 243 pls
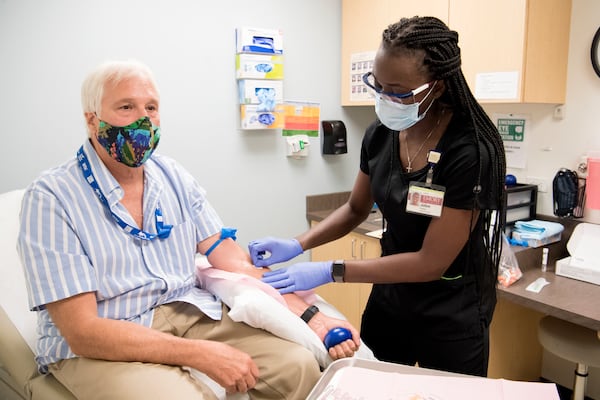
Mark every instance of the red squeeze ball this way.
pixel 336 336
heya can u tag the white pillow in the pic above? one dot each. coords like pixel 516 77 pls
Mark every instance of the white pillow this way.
pixel 249 304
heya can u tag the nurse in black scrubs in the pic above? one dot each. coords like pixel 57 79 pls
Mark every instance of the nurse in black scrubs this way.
pixel 434 164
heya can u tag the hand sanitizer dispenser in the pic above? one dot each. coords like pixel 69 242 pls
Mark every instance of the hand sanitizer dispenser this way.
pixel 333 137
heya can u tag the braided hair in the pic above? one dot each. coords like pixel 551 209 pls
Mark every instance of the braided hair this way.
pixel 431 38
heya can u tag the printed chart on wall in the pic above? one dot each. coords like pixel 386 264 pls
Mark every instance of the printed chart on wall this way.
pixel 512 128
pixel 301 118
pixel 360 64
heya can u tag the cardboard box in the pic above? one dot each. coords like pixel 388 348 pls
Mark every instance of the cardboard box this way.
pixel 258 66
pixel 569 268
pixel 259 40
pixel 251 118
pixel 264 93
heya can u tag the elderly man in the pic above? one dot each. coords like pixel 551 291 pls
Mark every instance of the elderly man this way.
pixel 108 241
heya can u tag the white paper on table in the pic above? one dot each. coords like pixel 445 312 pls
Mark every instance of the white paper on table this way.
pixel 376 233
pixel 353 383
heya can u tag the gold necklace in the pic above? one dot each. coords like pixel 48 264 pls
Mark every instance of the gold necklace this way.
pixel 408 158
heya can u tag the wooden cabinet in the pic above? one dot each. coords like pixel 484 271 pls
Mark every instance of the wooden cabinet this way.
pixel 363 21
pixel 349 298
pixel 515 352
pixel 513 51
pixel 526 37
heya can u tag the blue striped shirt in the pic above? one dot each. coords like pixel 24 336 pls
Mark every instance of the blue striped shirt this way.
pixel 70 244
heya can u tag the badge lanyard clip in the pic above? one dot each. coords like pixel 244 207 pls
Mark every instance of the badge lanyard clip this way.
pixel 433 157
pixel 163 230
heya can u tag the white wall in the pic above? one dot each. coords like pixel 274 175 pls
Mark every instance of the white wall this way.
pixel 47 47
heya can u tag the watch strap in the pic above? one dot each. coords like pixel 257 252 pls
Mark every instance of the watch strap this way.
pixel 309 313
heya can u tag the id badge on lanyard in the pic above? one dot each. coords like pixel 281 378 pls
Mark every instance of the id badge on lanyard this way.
pixel 426 198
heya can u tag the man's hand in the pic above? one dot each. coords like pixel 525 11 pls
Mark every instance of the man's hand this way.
pixel 233 369
pixel 321 324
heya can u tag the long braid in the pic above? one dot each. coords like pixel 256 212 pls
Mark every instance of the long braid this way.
pixel 442 61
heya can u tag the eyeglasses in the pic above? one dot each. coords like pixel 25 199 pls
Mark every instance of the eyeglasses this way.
pixel 369 80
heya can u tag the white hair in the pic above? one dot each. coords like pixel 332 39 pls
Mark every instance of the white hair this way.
pixel 111 72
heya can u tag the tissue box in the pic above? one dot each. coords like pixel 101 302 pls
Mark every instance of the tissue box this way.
pixel 265 93
pixel 258 66
pixel 538 242
pixel 565 267
pixel 259 40
pixel 251 118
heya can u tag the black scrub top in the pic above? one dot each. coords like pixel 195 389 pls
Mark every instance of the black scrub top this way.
pixel 457 171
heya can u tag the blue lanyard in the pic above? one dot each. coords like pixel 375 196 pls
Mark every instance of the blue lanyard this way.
pixel 163 229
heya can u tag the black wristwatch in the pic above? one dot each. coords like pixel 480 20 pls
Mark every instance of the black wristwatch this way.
pixel 338 268
pixel 309 313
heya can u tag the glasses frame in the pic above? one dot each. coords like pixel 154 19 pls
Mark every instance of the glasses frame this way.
pixel 395 96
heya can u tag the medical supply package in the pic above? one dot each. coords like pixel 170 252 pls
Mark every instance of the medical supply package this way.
pixel 265 93
pixel 259 40
pixel 584 261
pixel 258 66
pixel 252 118
pixel 537 233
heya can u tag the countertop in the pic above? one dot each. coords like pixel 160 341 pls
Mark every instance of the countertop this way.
pixel 565 298
pixel 373 222
pixel 318 207
pixel 569 299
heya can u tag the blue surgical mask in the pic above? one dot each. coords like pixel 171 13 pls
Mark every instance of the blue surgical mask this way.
pixel 398 116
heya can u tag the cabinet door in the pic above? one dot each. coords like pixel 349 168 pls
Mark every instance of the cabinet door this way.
pixel 365 246
pixel 491 38
pixel 368 247
pixel 345 297
pixel 518 48
pixel 348 298
pixel 409 8
pixel 363 22
pixel 513 50
pixel 548 28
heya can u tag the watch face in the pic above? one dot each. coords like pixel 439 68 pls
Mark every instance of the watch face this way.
pixel 338 270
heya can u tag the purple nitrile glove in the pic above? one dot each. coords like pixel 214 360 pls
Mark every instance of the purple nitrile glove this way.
pixel 268 251
pixel 301 276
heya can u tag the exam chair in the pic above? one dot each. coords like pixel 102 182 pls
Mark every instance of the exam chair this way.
pixel 19 377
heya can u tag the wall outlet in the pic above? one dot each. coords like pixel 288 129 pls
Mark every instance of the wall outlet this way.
pixel 559 112
pixel 542 183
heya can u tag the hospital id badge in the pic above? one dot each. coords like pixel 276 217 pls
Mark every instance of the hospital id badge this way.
pixel 425 199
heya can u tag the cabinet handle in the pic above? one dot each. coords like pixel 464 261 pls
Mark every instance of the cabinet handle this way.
pixel 353 245
pixel 363 246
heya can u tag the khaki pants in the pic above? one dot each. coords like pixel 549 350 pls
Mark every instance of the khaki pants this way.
pixel 287 370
